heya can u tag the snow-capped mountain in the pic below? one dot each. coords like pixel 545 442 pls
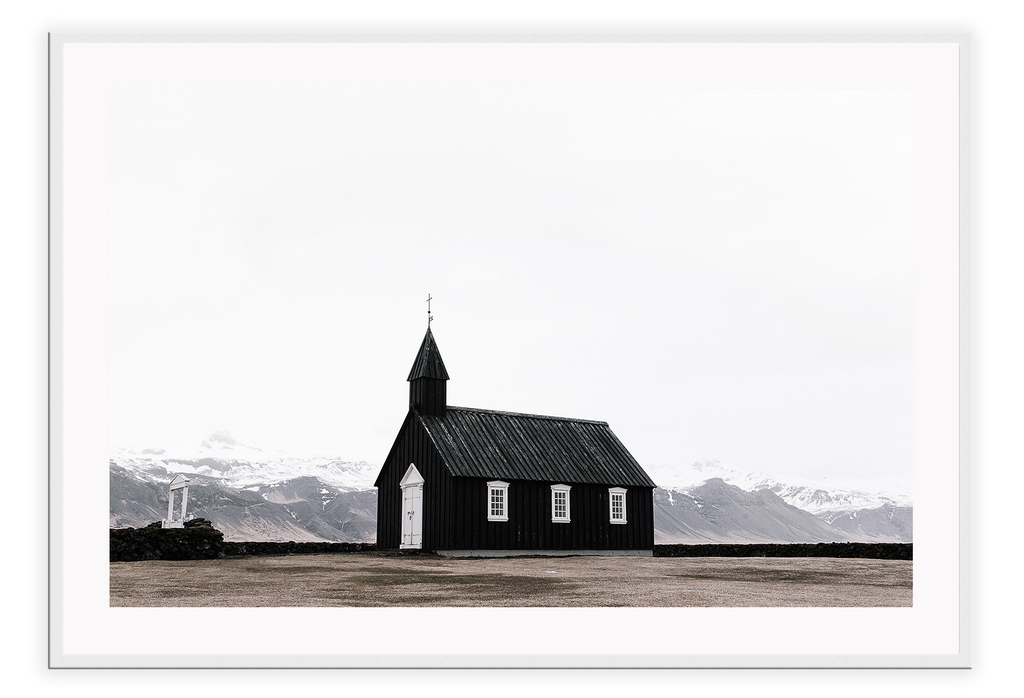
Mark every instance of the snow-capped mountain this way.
pixel 717 512
pixel 823 498
pixel 243 466
pixel 249 493
pixel 849 511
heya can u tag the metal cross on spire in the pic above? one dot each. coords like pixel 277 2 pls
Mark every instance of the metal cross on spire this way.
pixel 429 316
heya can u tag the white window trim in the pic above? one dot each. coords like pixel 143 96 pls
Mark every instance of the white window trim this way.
pixel 568 512
pixel 497 485
pixel 612 491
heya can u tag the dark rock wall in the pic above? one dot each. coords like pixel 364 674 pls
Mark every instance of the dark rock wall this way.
pixel 199 540
pixel 293 548
pixel 878 551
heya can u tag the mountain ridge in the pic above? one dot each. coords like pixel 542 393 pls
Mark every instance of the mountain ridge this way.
pixel 254 494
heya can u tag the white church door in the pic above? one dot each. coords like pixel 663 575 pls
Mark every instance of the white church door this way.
pixel 412 508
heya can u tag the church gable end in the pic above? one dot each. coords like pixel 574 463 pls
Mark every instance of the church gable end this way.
pixel 412 456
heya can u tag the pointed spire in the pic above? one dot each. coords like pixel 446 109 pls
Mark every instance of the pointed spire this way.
pixel 428 362
pixel 428 380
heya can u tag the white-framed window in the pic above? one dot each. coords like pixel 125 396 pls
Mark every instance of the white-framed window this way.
pixel 617 505
pixel 560 503
pixel 497 500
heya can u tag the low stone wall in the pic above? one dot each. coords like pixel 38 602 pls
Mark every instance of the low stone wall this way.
pixel 198 540
pixel 238 549
pixel 878 551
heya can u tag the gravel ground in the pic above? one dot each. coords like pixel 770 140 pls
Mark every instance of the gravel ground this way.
pixel 387 579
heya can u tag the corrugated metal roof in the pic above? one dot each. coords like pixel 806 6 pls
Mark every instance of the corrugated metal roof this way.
pixel 428 362
pixel 513 446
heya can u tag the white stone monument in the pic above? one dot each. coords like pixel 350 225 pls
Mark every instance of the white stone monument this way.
pixel 180 482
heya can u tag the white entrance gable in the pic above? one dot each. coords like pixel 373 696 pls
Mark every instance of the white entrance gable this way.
pixel 412 508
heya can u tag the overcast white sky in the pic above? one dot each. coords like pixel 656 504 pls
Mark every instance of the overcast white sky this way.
pixel 735 251
pixel 718 274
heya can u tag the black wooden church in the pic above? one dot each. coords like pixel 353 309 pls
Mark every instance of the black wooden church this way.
pixel 462 481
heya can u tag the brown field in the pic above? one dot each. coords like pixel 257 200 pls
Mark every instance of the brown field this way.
pixel 382 579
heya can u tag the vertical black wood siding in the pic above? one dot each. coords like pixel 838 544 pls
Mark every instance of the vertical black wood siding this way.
pixel 429 396
pixel 529 525
pixel 413 446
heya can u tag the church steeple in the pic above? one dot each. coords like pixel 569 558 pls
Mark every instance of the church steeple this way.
pixel 428 379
